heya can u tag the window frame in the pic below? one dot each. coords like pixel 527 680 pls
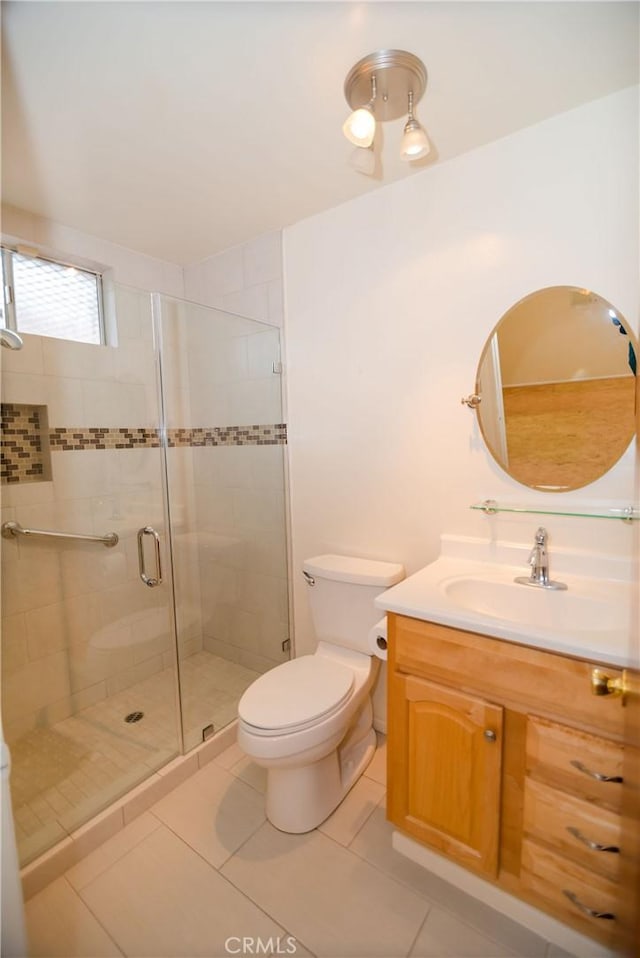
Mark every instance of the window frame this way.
pixel 11 319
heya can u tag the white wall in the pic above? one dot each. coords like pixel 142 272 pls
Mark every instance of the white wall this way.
pixel 389 300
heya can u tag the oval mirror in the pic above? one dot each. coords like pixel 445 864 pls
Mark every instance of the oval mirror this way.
pixel 556 382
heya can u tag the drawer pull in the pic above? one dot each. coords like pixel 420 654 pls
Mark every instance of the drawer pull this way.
pixel 594 846
pixel 600 777
pixel 591 912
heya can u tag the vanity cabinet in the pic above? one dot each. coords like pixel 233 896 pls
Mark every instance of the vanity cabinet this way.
pixel 502 759
pixel 450 794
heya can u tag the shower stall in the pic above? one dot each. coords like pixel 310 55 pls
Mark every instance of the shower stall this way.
pixel 144 558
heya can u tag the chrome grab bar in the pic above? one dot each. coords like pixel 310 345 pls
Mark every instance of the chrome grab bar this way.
pixel 151 581
pixel 12 529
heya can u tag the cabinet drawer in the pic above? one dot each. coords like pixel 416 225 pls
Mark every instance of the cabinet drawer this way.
pixel 518 676
pixel 582 831
pixel 583 764
pixel 574 894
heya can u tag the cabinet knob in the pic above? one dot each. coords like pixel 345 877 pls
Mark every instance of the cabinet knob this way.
pixel 602 684
pixel 490 735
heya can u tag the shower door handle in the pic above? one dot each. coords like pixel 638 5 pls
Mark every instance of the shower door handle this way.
pixel 151 581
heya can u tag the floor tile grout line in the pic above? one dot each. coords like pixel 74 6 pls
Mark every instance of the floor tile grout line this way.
pixel 184 841
pixel 120 857
pixel 86 905
pixel 212 867
pixel 453 913
pixel 418 933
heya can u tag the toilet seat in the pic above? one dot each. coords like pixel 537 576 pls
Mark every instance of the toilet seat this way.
pixel 295 695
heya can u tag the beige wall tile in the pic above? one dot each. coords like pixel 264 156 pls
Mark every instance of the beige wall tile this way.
pixel 14 643
pixel 40 683
pixel 30 584
pixel 49 866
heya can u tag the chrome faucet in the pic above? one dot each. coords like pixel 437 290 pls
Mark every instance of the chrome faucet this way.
pixel 539 562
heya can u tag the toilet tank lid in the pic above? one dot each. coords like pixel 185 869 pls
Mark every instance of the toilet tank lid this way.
pixel 352 569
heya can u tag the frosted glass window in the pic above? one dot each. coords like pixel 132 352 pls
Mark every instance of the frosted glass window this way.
pixel 52 299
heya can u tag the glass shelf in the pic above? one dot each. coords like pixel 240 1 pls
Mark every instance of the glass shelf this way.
pixel 626 513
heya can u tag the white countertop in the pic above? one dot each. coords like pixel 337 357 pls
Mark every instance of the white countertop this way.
pixel 590 620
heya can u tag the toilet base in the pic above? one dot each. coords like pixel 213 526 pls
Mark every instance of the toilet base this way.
pixel 301 798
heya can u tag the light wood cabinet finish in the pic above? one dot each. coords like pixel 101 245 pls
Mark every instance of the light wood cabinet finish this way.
pixel 450 796
pixel 504 808
pixel 586 833
pixel 549 879
pixel 574 760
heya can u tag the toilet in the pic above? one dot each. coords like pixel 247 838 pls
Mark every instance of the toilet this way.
pixel 309 721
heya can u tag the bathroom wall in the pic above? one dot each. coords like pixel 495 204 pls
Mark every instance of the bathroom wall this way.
pixel 390 299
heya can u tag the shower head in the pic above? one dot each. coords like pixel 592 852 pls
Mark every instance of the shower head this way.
pixel 10 339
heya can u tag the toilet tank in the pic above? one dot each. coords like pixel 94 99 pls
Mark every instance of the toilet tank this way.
pixel 341 593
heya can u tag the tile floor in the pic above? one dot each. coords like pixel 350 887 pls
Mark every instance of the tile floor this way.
pixel 202 873
pixel 63 775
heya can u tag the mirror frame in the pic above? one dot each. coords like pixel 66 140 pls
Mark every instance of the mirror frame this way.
pixel 540 424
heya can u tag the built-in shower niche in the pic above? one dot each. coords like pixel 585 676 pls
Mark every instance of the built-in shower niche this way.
pixel 26 454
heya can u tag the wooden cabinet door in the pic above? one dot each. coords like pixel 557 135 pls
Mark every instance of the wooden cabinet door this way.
pixel 445 752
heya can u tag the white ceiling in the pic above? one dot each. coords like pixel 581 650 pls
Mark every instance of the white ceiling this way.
pixel 182 128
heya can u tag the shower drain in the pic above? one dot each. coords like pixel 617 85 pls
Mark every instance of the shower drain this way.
pixel 133 717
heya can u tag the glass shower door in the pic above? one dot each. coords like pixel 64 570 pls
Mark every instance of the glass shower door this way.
pixel 88 652
pixel 225 480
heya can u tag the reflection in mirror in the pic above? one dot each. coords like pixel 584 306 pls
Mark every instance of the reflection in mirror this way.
pixel 557 386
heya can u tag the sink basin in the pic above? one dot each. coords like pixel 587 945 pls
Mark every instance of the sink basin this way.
pixel 572 610
pixel 590 619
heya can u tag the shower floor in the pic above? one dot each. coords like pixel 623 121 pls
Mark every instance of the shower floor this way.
pixel 63 775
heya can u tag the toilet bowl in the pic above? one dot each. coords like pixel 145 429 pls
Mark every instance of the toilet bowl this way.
pixel 309 721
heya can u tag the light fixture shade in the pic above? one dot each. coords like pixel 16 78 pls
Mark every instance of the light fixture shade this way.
pixel 363 160
pixel 415 144
pixel 360 127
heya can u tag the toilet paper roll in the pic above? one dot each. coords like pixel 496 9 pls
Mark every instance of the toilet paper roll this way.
pixel 377 639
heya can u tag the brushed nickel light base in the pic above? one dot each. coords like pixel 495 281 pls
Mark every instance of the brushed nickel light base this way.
pixel 396 74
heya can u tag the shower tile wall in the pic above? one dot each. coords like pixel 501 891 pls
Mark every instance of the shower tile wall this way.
pixel 236 521
pixel 77 625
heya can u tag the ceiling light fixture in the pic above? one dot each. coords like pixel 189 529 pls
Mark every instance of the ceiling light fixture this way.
pixel 414 144
pixel 360 126
pixel 385 86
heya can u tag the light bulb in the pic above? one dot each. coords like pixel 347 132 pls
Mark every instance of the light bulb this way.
pixel 414 144
pixel 360 127
pixel 363 160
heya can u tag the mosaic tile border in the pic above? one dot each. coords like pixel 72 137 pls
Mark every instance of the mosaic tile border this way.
pixel 77 439
pixel 26 442
pixel 71 439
